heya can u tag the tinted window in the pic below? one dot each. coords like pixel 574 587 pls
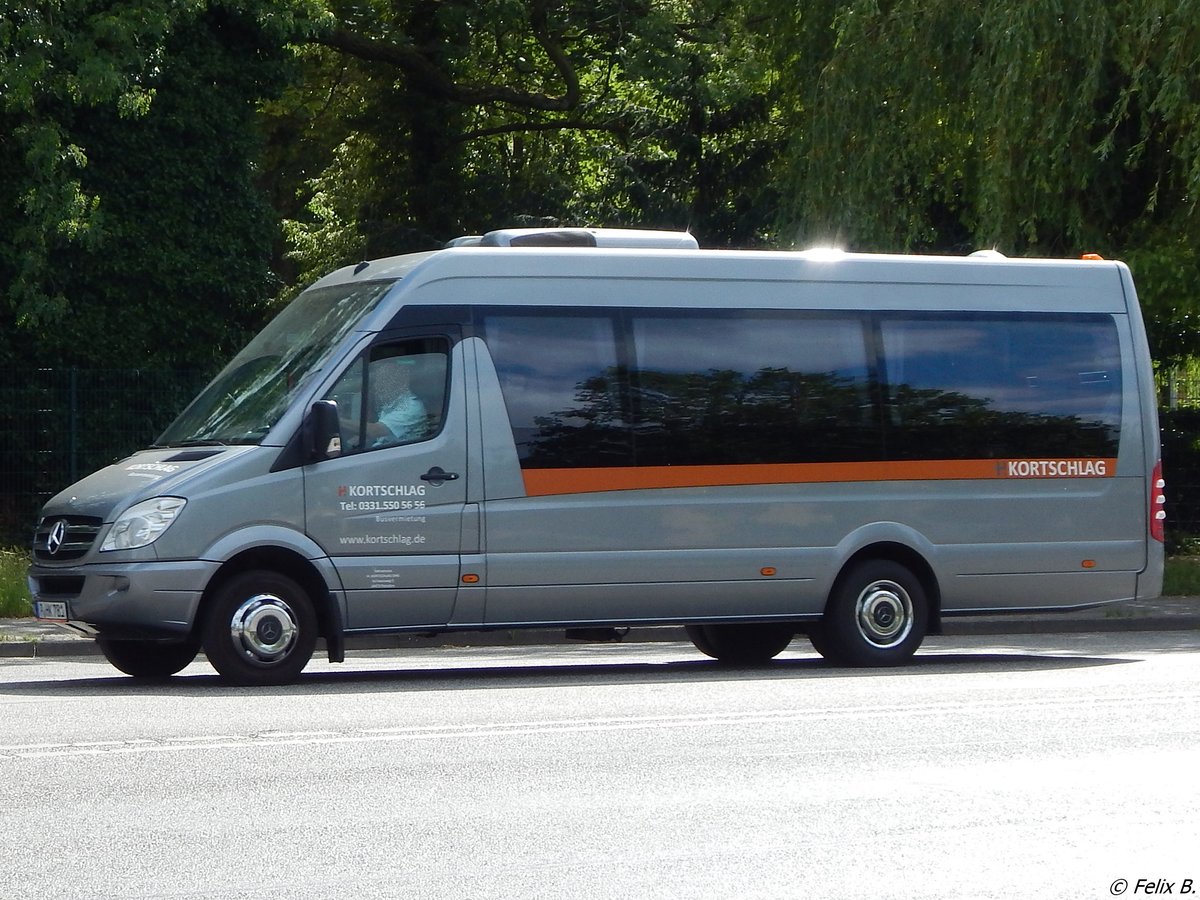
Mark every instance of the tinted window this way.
pixel 671 387
pixel 751 388
pixel 707 389
pixel 993 387
pixel 563 387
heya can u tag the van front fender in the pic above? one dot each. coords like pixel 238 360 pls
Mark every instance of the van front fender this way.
pixel 276 542
pixel 292 553
pixel 253 537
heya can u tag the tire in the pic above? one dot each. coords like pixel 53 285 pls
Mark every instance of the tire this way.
pixel 877 615
pixel 741 644
pixel 260 629
pixel 149 659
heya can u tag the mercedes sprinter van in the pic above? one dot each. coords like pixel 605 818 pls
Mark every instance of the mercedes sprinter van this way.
pixel 604 428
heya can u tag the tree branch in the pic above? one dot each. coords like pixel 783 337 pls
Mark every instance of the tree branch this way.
pixel 424 76
pixel 616 128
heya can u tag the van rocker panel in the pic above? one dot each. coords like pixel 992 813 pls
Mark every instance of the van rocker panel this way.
pixel 658 603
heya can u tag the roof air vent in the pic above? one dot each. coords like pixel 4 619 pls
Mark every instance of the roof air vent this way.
pixel 581 237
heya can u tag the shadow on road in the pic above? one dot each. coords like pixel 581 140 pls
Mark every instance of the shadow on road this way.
pixel 421 671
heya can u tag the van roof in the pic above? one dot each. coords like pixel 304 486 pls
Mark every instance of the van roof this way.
pixel 592 252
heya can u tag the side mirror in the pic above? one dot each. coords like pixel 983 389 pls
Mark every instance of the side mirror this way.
pixel 324 431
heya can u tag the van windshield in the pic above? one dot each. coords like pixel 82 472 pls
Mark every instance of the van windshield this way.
pixel 250 394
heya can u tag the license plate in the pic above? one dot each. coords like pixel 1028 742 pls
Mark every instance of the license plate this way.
pixel 51 609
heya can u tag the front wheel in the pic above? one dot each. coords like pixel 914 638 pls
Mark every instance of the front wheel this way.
pixel 260 629
pixel 877 616
pixel 148 659
pixel 741 644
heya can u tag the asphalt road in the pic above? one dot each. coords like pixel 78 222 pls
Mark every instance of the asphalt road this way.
pixel 994 766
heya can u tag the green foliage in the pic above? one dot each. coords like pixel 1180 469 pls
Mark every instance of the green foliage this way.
pixel 14 590
pixel 187 235
pixel 1166 269
pixel 620 112
pixel 129 187
pixel 1026 125
pixel 1181 577
pixel 150 149
pixel 55 58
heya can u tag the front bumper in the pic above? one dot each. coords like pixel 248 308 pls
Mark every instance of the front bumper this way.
pixel 126 600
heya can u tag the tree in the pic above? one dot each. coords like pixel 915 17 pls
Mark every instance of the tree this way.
pixel 1035 128
pixel 458 116
pixel 1026 125
pixel 131 150
pixel 134 228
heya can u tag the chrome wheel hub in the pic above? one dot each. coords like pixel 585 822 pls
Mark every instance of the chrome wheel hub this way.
pixel 884 613
pixel 264 629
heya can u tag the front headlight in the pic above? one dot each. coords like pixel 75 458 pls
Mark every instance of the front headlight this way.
pixel 143 523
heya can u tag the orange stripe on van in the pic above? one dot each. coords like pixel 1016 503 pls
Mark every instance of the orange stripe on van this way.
pixel 547 482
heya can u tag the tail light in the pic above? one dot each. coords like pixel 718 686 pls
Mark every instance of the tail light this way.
pixel 1158 503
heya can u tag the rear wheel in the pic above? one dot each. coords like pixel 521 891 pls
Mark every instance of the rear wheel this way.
pixel 148 659
pixel 260 629
pixel 877 616
pixel 741 644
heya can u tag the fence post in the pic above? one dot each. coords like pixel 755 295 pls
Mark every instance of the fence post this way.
pixel 73 426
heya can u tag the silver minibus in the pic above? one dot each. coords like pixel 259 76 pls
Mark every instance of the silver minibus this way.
pixel 595 429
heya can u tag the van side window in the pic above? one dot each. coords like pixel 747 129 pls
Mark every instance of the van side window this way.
pixel 749 388
pixel 564 387
pixel 989 387
pixel 393 394
pixel 604 388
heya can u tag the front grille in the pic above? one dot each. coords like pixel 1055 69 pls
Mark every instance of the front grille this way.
pixel 63 538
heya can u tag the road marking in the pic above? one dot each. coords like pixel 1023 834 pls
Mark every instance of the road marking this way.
pixel 274 739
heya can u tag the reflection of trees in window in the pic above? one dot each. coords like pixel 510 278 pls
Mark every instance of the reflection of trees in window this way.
pixel 723 417
pixel 713 418
pixel 593 433
pixel 1027 386
pixel 250 394
pixel 927 423
pixel 772 416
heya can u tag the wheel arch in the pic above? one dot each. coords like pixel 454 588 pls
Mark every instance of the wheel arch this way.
pixel 300 569
pixel 904 555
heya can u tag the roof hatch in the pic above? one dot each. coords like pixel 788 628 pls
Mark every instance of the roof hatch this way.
pixel 580 237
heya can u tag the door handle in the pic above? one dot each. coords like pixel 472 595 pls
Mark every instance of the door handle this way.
pixel 437 475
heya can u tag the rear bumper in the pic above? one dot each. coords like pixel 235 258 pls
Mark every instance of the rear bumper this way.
pixel 1150 581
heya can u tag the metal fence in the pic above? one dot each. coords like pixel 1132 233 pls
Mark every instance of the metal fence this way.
pixel 1178 389
pixel 59 424
pixel 1179 417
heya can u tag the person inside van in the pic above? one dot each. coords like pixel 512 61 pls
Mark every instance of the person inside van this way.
pixel 400 414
